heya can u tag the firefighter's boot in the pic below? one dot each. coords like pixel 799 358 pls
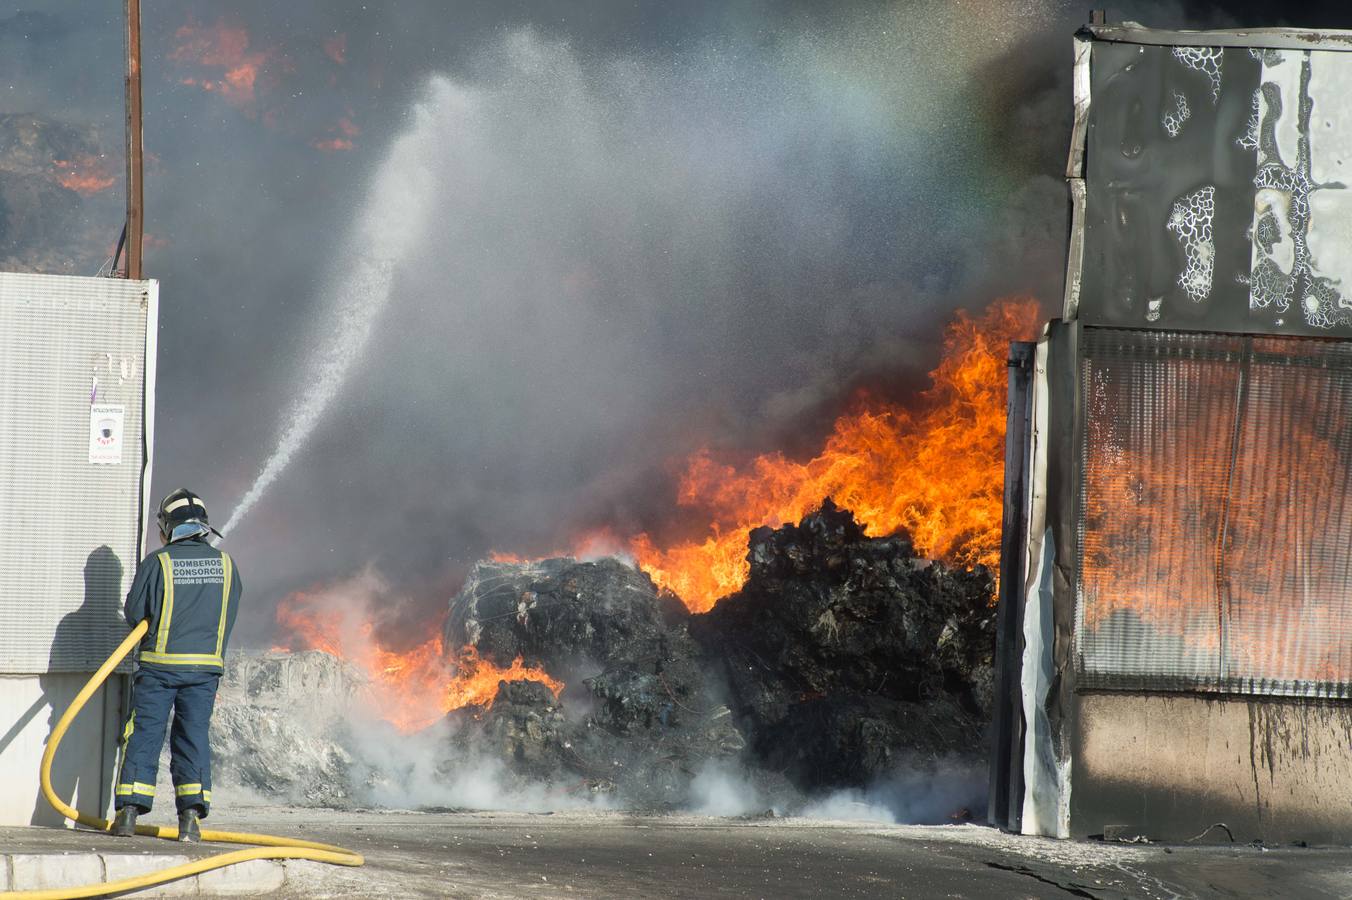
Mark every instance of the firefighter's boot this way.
pixel 125 823
pixel 188 832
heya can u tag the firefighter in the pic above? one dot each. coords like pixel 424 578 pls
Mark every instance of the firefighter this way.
pixel 189 592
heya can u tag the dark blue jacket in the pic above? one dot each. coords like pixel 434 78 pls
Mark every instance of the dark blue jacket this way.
pixel 190 592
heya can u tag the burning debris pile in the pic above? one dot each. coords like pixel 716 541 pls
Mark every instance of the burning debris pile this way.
pixel 841 654
pixel 844 652
pixel 840 657
pixel 639 714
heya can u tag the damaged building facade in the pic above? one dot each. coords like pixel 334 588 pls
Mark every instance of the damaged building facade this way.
pixel 1175 652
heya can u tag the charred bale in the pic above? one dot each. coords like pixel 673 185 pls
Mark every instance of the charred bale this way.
pixel 639 716
pixel 557 613
pixel 843 651
pixel 525 726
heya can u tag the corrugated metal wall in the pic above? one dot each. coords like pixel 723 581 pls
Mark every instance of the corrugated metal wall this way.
pixel 69 528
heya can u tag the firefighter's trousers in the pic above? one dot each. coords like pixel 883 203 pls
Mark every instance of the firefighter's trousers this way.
pixel 191 695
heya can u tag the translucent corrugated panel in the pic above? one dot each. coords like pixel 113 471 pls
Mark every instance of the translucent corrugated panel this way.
pixel 1287 574
pixel 1216 518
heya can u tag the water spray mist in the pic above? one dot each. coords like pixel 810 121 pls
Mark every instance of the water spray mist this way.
pixel 388 224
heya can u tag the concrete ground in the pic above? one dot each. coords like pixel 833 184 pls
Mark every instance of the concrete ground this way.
pixel 591 854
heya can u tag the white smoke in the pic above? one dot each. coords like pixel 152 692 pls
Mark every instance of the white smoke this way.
pixel 614 260
pixel 916 792
pixel 414 771
pixel 725 791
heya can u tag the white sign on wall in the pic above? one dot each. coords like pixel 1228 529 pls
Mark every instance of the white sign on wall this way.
pixel 105 434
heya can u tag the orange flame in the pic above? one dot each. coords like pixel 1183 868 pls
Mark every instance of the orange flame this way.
pixel 476 680
pixel 224 49
pixel 84 174
pixel 412 688
pixel 936 471
pixel 500 556
pixel 343 133
pixel 332 145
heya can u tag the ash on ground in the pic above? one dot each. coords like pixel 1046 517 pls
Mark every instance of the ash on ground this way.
pixel 843 660
pixel 281 727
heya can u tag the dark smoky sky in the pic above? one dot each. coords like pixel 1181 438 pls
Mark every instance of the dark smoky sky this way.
pixel 627 230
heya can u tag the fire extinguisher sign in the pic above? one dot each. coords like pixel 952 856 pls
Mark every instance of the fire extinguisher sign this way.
pixel 105 434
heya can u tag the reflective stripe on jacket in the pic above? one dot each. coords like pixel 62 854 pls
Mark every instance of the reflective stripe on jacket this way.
pixel 190 592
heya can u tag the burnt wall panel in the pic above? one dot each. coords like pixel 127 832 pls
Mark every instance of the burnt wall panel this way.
pixel 1200 476
pixel 1052 726
pixel 1217 191
pixel 1169 188
pixel 1287 575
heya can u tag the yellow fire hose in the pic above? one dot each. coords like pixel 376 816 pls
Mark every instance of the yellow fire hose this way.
pixel 272 847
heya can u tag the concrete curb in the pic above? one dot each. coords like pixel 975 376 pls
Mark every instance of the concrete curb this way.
pixel 46 871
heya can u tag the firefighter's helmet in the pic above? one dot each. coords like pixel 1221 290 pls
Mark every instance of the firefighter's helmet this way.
pixel 179 508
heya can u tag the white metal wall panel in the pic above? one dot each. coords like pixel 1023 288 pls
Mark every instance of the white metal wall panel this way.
pixel 69 528
pixel 82 773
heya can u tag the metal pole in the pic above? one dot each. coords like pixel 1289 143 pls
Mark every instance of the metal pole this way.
pixel 135 198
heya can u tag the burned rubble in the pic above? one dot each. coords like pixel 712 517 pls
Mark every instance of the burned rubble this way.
pixel 842 659
pixel 638 716
pixel 841 655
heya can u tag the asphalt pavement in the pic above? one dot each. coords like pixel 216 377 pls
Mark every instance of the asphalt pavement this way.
pixel 611 854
